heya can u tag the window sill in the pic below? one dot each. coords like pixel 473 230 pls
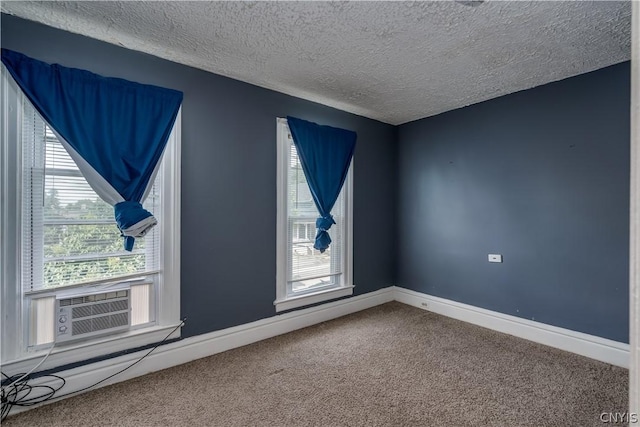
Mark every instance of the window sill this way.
pixel 77 352
pixel 312 298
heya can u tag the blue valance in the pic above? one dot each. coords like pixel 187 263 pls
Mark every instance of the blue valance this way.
pixel 116 130
pixel 325 153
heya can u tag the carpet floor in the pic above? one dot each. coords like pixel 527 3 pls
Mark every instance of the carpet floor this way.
pixel 391 365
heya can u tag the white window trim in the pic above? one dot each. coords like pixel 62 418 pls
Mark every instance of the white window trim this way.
pixel 284 302
pixel 14 355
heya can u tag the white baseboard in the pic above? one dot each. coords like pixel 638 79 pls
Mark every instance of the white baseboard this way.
pixel 193 348
pixel 602 349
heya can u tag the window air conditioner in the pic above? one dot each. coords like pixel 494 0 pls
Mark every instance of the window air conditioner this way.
pixel 92 314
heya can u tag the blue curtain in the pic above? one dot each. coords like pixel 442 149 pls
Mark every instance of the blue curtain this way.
pixel 325 154
pixel 118 127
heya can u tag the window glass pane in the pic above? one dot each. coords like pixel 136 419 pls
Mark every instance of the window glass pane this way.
pixel 71 236
pixel 307 267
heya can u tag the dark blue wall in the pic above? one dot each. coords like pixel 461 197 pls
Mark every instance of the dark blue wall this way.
pixel 229 176
pixel 539 176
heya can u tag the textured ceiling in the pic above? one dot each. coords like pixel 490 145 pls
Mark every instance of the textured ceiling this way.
pixel 391 61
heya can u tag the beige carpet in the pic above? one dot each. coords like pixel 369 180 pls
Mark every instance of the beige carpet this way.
pixel 392 365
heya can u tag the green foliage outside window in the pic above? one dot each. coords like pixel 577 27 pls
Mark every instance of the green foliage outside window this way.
pixel 78 252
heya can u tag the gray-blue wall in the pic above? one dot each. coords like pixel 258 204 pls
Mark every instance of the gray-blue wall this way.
pixel 229 176
pixel 539 176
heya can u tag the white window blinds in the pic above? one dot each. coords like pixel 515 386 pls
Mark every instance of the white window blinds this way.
pixel 69 235
pixel 308 269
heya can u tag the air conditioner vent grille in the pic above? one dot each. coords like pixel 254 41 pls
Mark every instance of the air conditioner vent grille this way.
pixel 102 308
pixel 99 308
pixel 101 323
pixel 78 312
pixel 90 315
pixel 94 297
pixel 119 319
pixel 119 305
pixel 81 327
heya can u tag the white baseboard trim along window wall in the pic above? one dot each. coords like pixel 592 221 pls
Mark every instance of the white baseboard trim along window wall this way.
pixel 193 348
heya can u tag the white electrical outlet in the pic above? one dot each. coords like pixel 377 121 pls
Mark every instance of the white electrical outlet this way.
pixel 495 258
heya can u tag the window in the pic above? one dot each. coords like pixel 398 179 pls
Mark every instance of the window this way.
pixel 68 243
pixel 80 241
pixel 304 275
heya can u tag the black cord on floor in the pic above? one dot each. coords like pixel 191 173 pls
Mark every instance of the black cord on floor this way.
pixel 18 393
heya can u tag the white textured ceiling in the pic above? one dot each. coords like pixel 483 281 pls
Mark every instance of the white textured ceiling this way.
pixel 391 61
